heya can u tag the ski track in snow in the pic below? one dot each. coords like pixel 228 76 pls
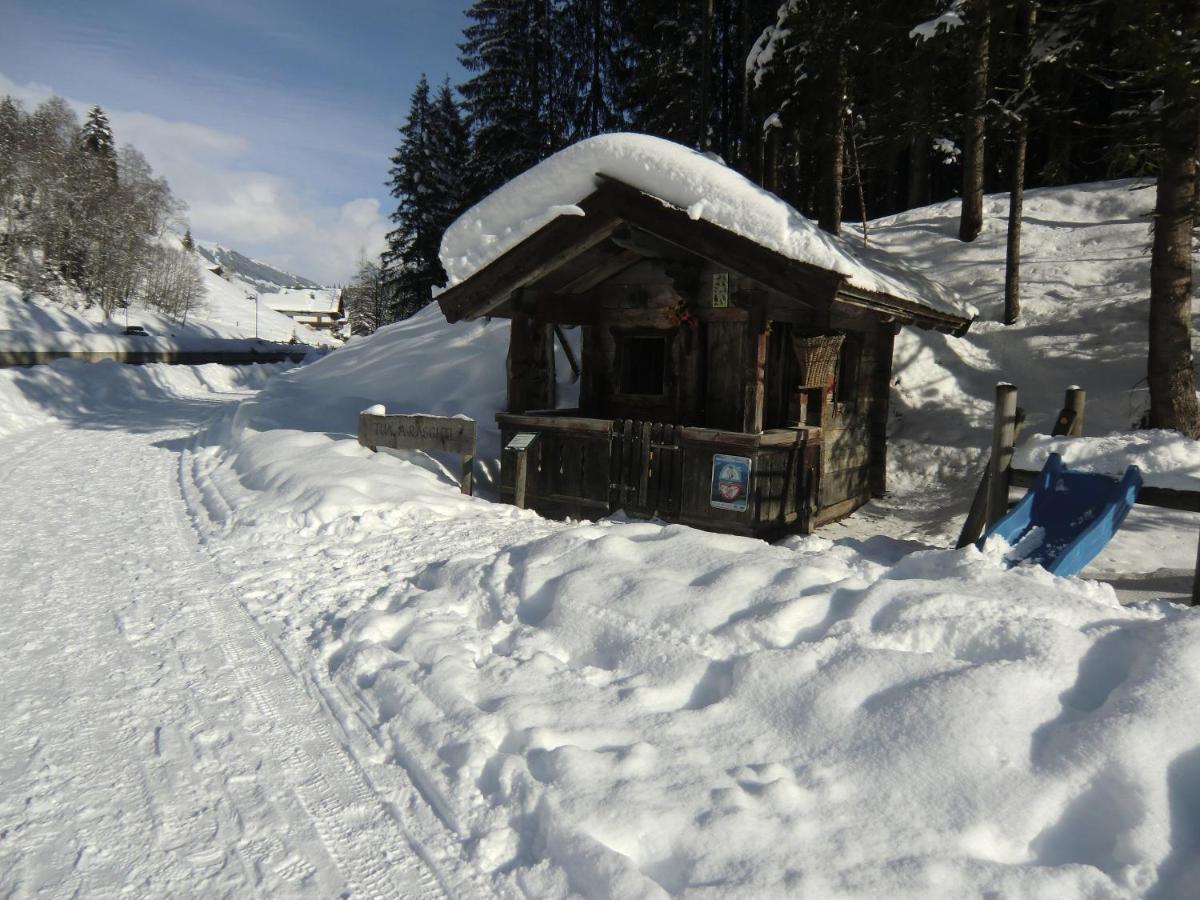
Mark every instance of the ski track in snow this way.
pixel 155 741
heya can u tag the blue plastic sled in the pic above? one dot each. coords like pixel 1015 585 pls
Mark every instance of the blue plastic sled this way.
pixel 1078 512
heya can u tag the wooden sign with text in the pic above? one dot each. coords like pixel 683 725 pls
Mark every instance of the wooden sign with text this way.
pixel 427 433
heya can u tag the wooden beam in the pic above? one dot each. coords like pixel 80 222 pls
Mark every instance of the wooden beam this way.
pixel 561 240
pixel 614 266
pixel 904 311
pixel 575 424
pixel 567 351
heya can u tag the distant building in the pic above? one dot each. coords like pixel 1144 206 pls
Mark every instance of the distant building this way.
pixel 318 309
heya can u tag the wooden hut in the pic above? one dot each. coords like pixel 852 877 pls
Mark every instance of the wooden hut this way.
pixel 723 384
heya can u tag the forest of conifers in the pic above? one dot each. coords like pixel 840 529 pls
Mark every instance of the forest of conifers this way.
pixel 854 107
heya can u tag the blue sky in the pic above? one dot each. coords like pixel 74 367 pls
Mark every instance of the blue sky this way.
pixel 273 120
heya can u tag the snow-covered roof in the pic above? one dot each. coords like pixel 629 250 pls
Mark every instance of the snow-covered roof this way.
pixel 303 300
pixel 701 185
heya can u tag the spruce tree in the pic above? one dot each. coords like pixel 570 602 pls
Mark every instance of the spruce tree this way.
pixel 428 181
pixel 514 109
pixel 801 68
pixel 591 46
pixel 668 70
pixel 96 138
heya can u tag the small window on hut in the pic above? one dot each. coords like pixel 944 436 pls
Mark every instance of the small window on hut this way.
pixel 643 365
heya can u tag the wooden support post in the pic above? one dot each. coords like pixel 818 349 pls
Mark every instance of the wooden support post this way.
pixel 755 387
pixel 530 364
pixel 519 478
pixel 1196 579
pixel 1004 428
pixel 468 474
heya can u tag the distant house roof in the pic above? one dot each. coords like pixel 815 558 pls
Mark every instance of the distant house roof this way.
pixel 302 301
pixel 567 204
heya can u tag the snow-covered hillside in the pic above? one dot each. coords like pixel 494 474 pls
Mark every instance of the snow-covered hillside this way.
pixel 227 313
pixel 633 709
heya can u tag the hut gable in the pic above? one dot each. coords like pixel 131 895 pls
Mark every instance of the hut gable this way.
pixel 734 361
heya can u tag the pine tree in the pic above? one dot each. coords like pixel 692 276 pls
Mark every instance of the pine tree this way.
pixel 669 69
pixel 591 48
pixel 428 181
pixel 801 70
pixel 514 109
pixel 188 243
pixel 96 138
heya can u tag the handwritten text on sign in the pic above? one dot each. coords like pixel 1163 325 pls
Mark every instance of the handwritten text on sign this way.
pixel 417 433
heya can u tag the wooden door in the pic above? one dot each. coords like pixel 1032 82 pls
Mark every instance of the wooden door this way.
pixel 647 476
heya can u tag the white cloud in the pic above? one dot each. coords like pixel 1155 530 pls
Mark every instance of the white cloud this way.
pixel 264 215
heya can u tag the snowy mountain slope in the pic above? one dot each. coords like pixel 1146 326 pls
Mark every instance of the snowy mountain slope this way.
pixel 262 276
pixel 632 709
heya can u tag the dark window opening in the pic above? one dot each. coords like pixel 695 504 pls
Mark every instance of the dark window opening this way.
pixel 643 365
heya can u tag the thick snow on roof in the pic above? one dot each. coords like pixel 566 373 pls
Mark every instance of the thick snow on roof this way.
pixel 303 300
pixel 685 178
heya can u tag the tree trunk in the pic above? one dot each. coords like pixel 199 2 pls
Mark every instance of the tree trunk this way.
pixel 1171 375
pixel 1016 202
pixel 829 201
pixel 1016 195
pixel 971 222
pixel 748 150
pixel 918 171
pixel 703 72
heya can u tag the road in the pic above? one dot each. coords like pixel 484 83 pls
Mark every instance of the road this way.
pixel 155 743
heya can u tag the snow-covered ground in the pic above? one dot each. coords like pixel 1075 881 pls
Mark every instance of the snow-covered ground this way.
pixel 325 670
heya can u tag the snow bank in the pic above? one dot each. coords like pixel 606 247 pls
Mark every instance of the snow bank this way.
pixel 1167 459
pixel 68 390
pixel 686 178
pixel 637 710
pixel 298 437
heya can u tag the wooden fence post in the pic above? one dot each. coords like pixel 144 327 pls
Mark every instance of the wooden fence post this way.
pixel 1070 420
pixel 1004 428
pixel 976 521
pixel 1076 400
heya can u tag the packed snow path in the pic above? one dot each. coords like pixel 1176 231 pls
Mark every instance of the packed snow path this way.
pixel 154 741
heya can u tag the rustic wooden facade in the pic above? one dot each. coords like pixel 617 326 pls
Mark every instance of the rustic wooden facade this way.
pixel 694 345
